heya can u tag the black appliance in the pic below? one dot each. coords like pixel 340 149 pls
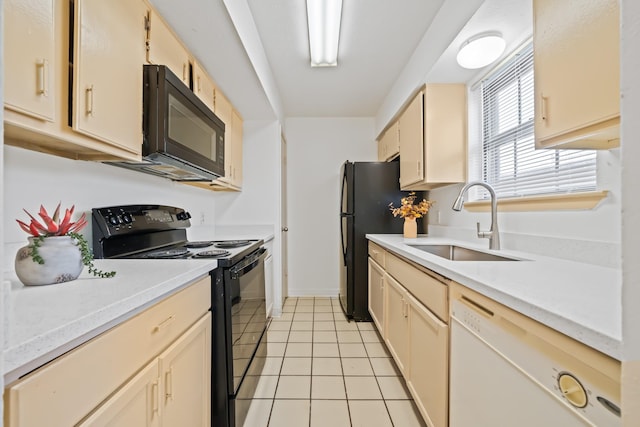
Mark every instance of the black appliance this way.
pixel 367 190
pixel 183 139
pixel 238 303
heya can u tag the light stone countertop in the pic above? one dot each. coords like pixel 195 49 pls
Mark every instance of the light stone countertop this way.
pixel 583 301
pixel 46 321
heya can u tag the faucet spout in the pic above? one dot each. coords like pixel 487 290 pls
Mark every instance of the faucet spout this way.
pixel 493 234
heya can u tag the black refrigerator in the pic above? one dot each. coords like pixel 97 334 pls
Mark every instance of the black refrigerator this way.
pixel 367 189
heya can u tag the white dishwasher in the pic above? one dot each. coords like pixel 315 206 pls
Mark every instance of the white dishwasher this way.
pixel 509 370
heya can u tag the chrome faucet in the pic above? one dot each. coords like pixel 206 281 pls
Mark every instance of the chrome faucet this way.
pixel 493 234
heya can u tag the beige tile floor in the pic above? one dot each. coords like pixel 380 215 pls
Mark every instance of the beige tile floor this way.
pixel 322 370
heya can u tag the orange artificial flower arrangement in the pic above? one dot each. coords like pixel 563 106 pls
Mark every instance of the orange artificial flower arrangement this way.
pixel 408 209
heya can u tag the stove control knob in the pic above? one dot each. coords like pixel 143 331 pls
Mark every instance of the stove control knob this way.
pixel 188 215
pixel 181 216
pixel 113 220
pixel 127 218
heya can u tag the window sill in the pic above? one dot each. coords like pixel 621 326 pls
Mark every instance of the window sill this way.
pixel 556 202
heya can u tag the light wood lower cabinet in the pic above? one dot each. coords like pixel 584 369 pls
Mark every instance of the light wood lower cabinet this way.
pixel 377 291
pixel 173 390
pixel 409 306
pixel 397 324
pixel 154 365
pixel 428 379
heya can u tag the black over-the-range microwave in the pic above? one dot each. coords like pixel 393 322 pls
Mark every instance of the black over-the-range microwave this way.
pixel 183 139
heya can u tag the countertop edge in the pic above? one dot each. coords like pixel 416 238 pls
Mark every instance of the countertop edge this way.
pixel 30 354
pixel 605 343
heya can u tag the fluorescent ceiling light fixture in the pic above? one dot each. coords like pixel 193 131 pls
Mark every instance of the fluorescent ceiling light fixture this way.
pixel 481 50
pixel 323 19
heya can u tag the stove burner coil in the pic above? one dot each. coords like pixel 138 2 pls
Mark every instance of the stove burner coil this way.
pixel 199 244
pixel 214 253
pixel 168 253
pixel 232 243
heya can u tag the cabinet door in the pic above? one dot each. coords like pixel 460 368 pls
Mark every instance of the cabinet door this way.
pixel 135 404
pixel 412 143
pixel 236 155
pixel 109 50
pixel 389 144
pixel 429 366
pixel 186 377
pixel 224 110
pixel 376 295
pixel 397 325
pixel 203 85
pixel 576 66
pixel 29 54
pixel 164 48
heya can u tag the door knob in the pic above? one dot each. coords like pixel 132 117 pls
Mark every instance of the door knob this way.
pixel 285 228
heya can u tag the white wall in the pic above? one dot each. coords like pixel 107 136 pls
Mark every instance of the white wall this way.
pixel 591 236
pixel 630 85
pixel 317 147
pixel 32 178
pixel 259 201
pixel 2 288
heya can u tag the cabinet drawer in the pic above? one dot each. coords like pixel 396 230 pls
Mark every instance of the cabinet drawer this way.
pixel 428 290
pixel 69 387
pixel 377 253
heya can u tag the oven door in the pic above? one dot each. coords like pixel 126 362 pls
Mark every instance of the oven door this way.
pixel 245 300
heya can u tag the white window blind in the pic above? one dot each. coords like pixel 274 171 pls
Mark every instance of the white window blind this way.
pixel 510 163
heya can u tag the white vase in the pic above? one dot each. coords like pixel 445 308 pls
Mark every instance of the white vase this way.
pixel 62 262
pixel 410 230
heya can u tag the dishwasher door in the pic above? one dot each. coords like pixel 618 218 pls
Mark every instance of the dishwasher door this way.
pixel 499 379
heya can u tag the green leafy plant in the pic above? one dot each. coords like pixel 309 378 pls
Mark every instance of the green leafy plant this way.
pixel 55 226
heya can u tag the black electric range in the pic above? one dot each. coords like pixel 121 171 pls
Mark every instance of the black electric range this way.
pixel 238 297
pixel 158 232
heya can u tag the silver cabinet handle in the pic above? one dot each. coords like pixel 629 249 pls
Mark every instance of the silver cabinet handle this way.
pixel 543 106
pixel 285 229
pixel 89 101
pixel 43 84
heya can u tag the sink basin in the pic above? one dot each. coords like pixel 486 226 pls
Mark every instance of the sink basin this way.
pixel 458 253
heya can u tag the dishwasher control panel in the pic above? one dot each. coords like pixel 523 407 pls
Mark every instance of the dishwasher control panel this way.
pixel 566 376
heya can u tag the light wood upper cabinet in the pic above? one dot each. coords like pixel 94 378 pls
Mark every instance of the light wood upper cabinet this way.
pixel 164 48
pixel 232 179
pixel 412 142
pixel 236 155
pixel 203 86
pixel 29 57
pixel 39 36
pixel 577 74
pixel 109 49
pixel 433 138
pixel 389 143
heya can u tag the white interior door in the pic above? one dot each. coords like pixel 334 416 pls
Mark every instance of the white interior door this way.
pixel 283 219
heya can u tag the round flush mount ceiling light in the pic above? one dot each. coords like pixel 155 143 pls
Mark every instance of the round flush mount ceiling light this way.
pixel 481 50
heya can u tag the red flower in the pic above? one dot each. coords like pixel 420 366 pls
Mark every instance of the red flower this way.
pixel 52 226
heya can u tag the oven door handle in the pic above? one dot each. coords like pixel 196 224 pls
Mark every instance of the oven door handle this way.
pixel 247 264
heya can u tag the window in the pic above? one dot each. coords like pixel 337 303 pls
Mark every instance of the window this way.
pixel 510 162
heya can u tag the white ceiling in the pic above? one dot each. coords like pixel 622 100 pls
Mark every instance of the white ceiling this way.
pixel 378 38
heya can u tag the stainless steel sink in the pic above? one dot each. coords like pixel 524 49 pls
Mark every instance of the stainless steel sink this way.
pixel 458 253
